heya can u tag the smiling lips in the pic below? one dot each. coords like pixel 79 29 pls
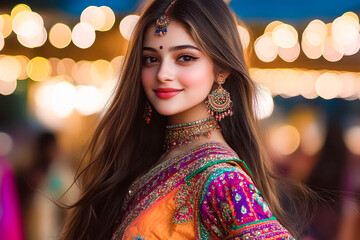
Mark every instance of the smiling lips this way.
pixel 165 93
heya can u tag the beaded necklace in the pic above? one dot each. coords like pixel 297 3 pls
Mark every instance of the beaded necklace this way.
pixel 182 134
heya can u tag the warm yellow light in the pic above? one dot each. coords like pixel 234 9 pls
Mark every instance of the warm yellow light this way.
pixel 352 139
pixel 353 47
pixel 109 18
pixel 94 16
pixel 39 69
pixel 290 83
pixel 127 25
pixel 63 99
pixel 116 64
pixel 101 71
pixel 53 63
pixel 81 72
pixel 2 42
pixel 263 102
pixel 345 29
pixel 328 85
pixel 284 140
pixel 285 36
pixel 290 54
pixel 83 35
pixel 307 84
pixel 19 8
pixel 271 26
pixel 265 48
pixel 65 66
pixel 332 50
pixel 60 35
pixel 311 51
pixel 24 62
pixel 88 100
pixel 7 88
pixel 5 25
pixel 34 42
pixel 315 33
pixel 353 15
pixel 10 69
pixel 244 36
pixel 349 86
pixel 28 24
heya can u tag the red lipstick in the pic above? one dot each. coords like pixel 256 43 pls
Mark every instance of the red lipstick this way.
pixel 165 93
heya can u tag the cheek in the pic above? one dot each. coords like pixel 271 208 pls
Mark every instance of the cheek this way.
pixel 146 78
pixel 198 77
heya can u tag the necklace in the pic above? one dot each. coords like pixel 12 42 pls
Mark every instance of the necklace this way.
pixel 182 134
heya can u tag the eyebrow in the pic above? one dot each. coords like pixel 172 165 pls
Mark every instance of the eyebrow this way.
pixel 171 49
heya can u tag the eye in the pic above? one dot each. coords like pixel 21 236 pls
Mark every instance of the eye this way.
pixel 150 60
pixel 187 58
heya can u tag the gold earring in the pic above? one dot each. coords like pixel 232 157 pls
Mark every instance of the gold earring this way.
pixel 219 102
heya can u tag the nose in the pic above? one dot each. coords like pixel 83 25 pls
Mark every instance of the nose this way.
pixel 166 71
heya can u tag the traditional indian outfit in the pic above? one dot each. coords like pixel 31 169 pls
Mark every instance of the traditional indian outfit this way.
pixel 204 193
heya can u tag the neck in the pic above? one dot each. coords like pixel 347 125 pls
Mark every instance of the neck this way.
pixel 196 113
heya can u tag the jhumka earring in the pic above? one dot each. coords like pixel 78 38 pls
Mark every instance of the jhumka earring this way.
pixel 219 102
pixel 163 21
pixel 147 113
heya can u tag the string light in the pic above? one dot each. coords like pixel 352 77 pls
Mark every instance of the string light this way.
pixel 83 35
pixel 60 35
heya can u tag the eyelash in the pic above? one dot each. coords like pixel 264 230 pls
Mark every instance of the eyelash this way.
pixel 192 58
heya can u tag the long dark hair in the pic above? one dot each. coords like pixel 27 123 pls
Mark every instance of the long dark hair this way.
pixel 123 146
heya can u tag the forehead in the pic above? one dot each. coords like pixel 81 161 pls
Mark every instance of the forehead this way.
pixel 177 34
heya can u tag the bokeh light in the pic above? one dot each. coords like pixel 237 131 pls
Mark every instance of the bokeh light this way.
pixel 352 139
pixel 101 71
pixel 60 35
pixel 328 85
pixel 109 18
pixel 127 25
pixel 5 25
pixel 244 36
pixel 284 139
pixel 83 35
pixel 285 36
pixel 265 49
pixel 94 16
pixel 7 88
pixel 23 60
pixel 88 100
pixel 39 69
pixel 290 54
pixel 34 42
pixel 10 68
pixel 263 102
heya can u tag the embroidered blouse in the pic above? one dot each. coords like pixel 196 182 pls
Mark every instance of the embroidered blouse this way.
pixel 206 193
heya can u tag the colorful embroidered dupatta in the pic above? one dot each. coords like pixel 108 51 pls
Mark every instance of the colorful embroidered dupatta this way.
pixel 199 194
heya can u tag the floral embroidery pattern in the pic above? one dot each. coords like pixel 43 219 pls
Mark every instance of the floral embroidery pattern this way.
pixel 166 177
pixel 221 198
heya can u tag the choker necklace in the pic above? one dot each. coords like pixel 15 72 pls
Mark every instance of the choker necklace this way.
pixel 182 134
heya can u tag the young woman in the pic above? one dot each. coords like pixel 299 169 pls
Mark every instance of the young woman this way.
pixel 177 155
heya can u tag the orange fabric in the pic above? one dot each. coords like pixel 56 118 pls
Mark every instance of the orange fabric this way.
pixel 156 223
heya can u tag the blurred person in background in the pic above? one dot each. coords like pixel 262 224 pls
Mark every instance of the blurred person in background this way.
pixel 48 176
pixel 10 213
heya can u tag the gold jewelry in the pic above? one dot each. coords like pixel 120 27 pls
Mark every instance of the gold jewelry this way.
pixel 163 21
pixel 182 134
pixel 219 102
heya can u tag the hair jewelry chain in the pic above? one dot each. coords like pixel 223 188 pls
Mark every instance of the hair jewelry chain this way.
pixel 182 134
pixel 163 21
pixel 219 102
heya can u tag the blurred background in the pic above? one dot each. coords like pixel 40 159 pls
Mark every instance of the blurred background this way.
pixel 60 60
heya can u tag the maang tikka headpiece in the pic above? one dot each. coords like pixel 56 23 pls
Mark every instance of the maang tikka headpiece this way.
pixel 163 21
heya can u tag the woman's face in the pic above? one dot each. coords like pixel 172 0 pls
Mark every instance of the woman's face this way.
pixel 176 75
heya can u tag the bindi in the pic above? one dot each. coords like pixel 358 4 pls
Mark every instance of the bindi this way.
pixel 161 47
